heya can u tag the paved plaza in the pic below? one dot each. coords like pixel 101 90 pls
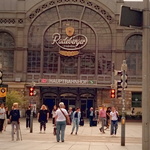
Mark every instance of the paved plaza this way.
pixel 88 138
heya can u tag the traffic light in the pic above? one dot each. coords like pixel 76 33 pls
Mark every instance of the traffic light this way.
pixel 121 84
pixel 1 76
pixel 124 80
pixel 31 91
pixel 112 94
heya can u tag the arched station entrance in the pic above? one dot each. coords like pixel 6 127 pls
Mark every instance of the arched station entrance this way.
pixel 72 97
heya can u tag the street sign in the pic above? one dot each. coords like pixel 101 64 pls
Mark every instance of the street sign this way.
pixel 130 17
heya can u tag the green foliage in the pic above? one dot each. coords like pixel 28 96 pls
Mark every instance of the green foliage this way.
pixel 15 97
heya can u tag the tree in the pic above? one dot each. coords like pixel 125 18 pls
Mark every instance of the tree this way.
pixel 15 97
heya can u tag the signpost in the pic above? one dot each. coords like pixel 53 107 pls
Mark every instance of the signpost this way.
pixel 124 70
pixel 143 19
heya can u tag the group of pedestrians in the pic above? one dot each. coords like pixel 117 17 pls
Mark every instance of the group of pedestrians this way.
pixel 12 117
pixel 108 118
pixel 59 117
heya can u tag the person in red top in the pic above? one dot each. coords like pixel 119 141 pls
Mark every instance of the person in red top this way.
pixel 102 117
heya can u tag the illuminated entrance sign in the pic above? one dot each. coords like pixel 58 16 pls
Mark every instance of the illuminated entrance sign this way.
pixel 66 81
pixel 70 44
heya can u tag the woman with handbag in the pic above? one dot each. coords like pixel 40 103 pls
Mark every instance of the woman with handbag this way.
pixel 61 115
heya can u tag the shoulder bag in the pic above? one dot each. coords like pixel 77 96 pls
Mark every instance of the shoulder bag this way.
pixel 67 118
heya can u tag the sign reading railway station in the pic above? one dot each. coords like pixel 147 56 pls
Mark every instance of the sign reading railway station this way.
pixel 67 81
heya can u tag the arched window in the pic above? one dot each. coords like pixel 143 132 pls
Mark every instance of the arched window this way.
pixel 7 45
pixel 133 48
pixel 50 62
pixel 95 54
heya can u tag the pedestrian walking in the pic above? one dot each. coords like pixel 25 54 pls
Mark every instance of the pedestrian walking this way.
pixel 102 118
pixel 6 119
pixel 53 119
pixel 2 117
pixel 43 116
pixel 76 120
pixel 70 113
pixel 96 114
pixel 28 114
pixel 54 114
pixel 108 117
pixel 14 119
pixel 91 116
pixel 114 121
pixel 61 114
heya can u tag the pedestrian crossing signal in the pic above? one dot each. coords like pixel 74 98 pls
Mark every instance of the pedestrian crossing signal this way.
pixel 112 95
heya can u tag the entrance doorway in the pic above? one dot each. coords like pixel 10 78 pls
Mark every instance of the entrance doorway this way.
pixel 83 98
pixel 49 102
pixel 69 100
pixel 85 107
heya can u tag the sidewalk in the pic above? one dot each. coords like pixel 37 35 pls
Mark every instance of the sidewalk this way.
pixel 88 138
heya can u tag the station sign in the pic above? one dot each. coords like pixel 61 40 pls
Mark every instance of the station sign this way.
pixel 67 81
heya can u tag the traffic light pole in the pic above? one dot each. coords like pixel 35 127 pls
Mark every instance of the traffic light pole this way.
pixel 31 121
pixel 123 113
pixel 113 83
pixel 31 117
pixel 123 69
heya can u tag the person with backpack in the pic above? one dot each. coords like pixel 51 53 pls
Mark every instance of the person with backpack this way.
pixel 14 119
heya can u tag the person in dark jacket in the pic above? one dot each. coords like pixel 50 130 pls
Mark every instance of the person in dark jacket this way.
pixel 91 116
pixel 14 119
pixel 28 113
pixel 43 116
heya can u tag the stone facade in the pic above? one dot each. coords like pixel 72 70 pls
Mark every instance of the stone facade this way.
pixel 20 18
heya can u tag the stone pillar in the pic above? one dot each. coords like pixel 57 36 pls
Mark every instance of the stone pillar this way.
pixel 146 78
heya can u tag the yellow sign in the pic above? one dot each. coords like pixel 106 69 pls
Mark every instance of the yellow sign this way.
pixel 3 92
pixel 68 53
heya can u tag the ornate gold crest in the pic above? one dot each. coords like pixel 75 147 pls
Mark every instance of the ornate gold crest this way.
pixel 69 31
